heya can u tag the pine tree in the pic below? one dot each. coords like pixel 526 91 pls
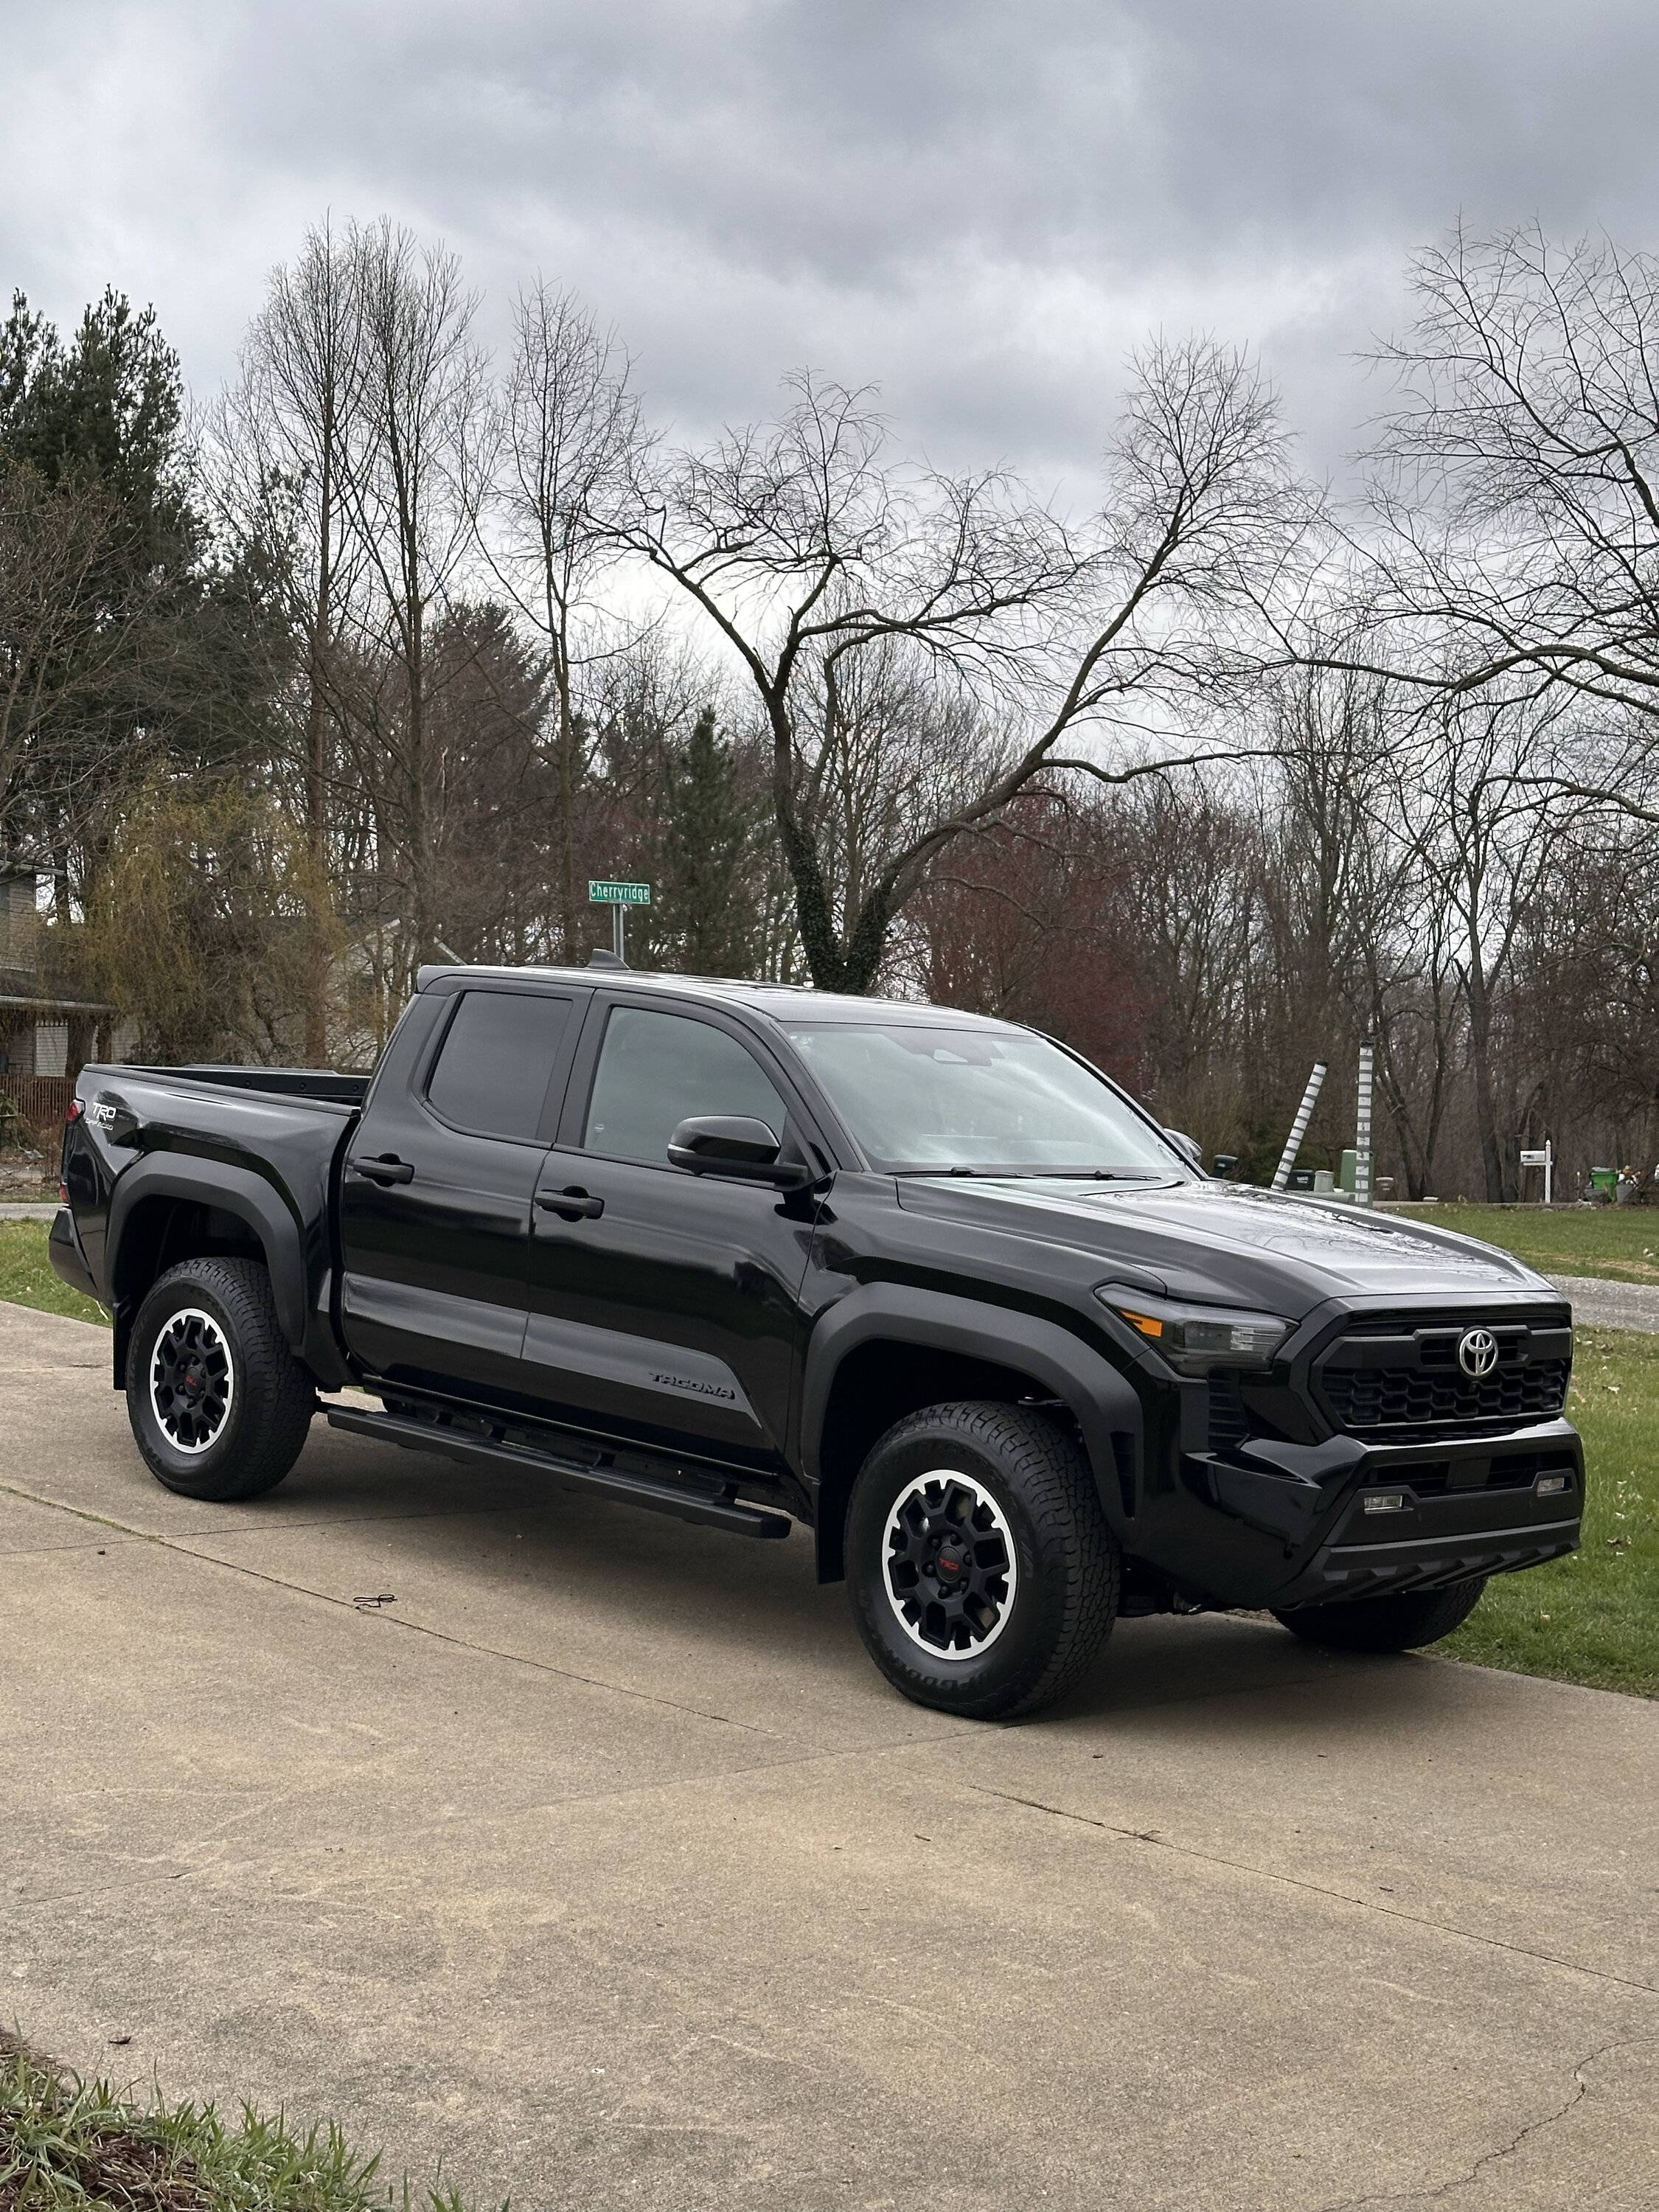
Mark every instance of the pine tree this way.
pixel 710 855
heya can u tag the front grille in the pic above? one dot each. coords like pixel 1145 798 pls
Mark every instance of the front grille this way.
pixel 1396 1374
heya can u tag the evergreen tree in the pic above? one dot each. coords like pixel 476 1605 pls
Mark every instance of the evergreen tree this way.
pixel 709 854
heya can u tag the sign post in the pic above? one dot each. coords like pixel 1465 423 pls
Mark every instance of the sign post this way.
pixel 603 890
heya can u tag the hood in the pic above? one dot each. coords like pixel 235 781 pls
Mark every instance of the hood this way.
pixel 1227 1243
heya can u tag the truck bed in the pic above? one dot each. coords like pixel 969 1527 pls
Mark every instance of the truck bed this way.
pixel 321 1084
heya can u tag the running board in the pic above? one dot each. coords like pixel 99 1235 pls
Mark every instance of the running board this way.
pixel 659 1495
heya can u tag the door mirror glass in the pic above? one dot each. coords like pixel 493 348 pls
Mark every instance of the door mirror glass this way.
pixel 735 1145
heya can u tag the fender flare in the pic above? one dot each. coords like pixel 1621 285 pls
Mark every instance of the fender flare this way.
pixel 1101 1398
pixel 231 1190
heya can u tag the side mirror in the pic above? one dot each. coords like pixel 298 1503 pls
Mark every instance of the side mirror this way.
pixel 1190 1146
pixel 735 1146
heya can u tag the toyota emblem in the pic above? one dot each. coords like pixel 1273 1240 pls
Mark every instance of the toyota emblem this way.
pixel 1477 1352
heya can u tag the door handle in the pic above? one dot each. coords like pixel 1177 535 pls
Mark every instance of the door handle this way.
pixel 572 1205
pixel 386 1170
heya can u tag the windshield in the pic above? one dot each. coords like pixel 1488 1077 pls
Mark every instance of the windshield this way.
pixel 919 1098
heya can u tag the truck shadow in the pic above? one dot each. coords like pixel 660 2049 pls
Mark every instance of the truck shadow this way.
pixel 562 1571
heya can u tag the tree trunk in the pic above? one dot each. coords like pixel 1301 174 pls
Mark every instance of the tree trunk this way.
pixel 317 949
pixel 1493 1159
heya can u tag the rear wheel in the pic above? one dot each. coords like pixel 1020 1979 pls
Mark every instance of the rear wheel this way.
pixel 983 1576
pixel 1404 1622
pixel 218 1404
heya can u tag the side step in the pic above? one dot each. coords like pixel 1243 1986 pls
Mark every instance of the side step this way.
pixel 604 1481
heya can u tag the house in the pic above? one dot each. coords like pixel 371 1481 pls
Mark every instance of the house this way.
pixel 34 1025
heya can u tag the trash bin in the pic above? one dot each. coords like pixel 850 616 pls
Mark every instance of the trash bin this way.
pixel 1604 1185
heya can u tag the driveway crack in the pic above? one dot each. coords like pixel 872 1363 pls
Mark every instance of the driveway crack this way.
pixel 1442 2189
pixel 1316 1888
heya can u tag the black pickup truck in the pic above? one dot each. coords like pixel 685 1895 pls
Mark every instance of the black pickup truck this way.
pixel 926 1282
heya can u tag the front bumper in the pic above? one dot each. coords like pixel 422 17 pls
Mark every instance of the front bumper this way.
pixel 1469 1507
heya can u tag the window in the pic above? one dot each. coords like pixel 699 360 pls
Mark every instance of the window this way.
pixel 656 1069
pixel 497 1061
pixel 918 1096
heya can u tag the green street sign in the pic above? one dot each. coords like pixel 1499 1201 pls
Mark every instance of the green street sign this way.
pixel 602 892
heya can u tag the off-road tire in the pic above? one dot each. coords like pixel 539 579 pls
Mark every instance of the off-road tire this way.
pixel 1404 1622
pixel 1064 1592
pixel 272 1399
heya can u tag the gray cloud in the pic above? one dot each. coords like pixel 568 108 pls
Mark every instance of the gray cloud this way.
pixel 981 204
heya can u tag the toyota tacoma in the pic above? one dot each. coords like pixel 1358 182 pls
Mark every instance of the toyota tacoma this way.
pixel 923 1282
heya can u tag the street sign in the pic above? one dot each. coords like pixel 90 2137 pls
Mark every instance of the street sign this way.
pixel 604 890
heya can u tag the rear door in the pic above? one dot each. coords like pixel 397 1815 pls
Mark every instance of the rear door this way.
pixel 662 1304
pixel 435 1196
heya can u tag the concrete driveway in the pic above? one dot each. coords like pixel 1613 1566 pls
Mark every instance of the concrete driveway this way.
pixel 595 1861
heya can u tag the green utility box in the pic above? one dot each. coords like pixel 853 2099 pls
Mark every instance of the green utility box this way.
pixel 1348 1179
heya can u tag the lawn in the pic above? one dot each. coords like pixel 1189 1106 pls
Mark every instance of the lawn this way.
pixel 1621 1242
pixel 66 2145
pixel 1591 1618
pixel 26 1276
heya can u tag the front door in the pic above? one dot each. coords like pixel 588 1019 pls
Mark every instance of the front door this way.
pixel 663 1304
pixel 436 1198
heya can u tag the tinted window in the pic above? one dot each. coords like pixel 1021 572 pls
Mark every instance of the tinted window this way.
pixel 497 1060
pixel 655 1069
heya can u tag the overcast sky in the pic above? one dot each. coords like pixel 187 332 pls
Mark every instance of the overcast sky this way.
pixel 978 204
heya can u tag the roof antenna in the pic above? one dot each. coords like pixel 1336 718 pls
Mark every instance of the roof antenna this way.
pixel 600 959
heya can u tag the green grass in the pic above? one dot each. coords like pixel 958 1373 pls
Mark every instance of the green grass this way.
pixel 1593 1616
pixel 1621 1242
pixel 67 2145
pixel 27 1279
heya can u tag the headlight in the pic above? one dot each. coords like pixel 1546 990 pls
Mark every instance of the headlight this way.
pixel 1194 1339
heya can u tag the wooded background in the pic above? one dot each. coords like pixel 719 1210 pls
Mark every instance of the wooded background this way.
pixel 378 655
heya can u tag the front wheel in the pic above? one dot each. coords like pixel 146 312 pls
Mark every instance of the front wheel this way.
pixel 219 1405
pixel 1403 1622
pixel 983 1576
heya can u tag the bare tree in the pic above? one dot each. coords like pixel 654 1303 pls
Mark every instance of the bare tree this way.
pixel 811 547
pixel 1490 840
pixel 1516 550
pixel 405 487
pixel 283 433
pixel 567 439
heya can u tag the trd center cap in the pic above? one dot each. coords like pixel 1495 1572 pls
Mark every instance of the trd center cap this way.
pixel 950 1564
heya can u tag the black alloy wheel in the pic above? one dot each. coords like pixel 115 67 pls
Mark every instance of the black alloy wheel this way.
pixel 950 1568
pixel 192 1382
